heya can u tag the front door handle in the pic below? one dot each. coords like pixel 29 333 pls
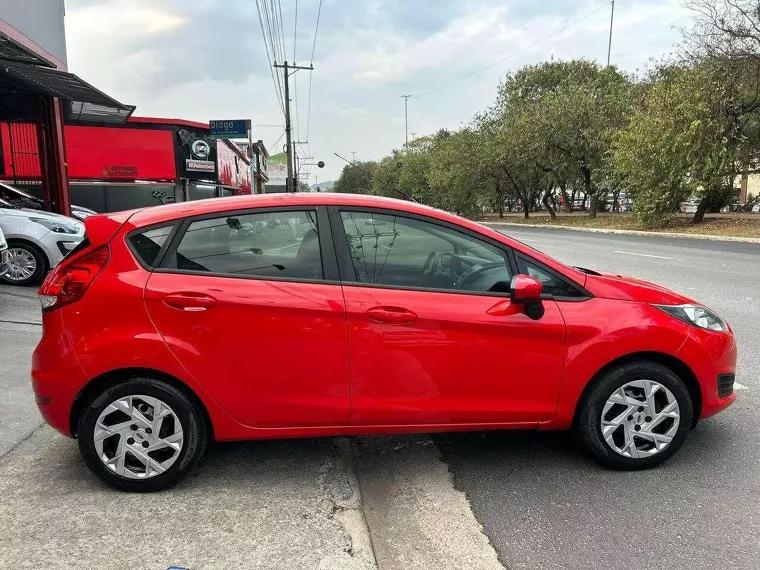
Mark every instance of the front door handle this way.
pixel 391 315
pixel 188 301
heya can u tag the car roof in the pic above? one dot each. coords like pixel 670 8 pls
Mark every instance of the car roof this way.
pixel 168 212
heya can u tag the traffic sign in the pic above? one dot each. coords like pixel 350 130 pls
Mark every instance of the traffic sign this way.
pixel 230 129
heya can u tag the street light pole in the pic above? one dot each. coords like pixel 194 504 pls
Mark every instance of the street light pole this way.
pixel 609 45
pixel 406 118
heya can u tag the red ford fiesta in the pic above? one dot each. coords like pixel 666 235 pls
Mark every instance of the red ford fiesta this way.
pixel 322 314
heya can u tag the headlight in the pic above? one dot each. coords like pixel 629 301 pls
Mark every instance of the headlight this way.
pixel 80 214
pixel 56 226
pixel 695 315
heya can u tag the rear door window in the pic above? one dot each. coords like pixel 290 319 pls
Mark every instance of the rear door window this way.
pixel 265 245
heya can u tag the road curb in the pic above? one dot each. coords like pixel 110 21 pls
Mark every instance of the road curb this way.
pixel 703 237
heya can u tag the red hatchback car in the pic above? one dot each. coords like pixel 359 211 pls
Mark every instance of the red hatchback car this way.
pixel 323 314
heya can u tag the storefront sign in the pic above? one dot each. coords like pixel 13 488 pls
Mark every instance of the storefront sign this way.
pixel 196 154
pixel 230 129
pixel 192 165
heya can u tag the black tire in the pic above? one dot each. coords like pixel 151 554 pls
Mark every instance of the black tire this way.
pixel 194 431
pixel 588 421
pixel 39 257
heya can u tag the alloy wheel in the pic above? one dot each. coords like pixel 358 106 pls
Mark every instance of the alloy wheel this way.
pixel 640 419
pixel 138 437
pixel 21 264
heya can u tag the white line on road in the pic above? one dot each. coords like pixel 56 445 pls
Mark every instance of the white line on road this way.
pixel 738 386
pixel 642 254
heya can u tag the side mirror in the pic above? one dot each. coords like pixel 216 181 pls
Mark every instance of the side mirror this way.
pixel 526 291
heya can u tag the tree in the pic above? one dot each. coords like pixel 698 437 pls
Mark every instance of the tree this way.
pixel 355 178
pixel 455 174
pixel 724 29
pixel 559 118
pixel 679 144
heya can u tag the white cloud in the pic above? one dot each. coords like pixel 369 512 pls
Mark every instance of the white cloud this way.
pixel 365 61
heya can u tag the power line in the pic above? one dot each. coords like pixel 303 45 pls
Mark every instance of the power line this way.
pixel 275 77
pixel 316 29
pixel 276 143
pixel 503 59
pixel 295 33
pixel 281 28
pixel 311 75
pixel 295 78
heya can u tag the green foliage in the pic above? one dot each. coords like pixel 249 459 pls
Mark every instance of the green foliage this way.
pixel 355 178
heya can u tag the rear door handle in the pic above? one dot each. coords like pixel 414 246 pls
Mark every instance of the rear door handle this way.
pixel 391 315
pixel 188 301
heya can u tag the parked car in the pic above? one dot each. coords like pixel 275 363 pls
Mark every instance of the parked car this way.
pixel 3 254
pixel 170 327
pixel 37 241
pixel 20 199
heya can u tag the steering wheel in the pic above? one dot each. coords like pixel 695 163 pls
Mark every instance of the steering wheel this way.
pixel 474 270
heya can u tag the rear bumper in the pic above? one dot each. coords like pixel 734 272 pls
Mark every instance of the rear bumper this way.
pixel 57 376
pixel 710 355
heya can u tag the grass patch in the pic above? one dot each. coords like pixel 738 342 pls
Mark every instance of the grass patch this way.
pixel 731 225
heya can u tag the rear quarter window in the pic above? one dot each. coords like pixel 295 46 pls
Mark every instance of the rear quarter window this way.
pixel 147 245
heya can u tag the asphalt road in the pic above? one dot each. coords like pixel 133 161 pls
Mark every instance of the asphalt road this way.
pixel 292 504
pixel 544 506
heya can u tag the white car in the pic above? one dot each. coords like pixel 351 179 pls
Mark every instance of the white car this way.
pixel 36 241
pixel 3 254
pixel 20 199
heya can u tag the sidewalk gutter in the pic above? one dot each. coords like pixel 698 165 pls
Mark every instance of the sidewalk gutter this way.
pixel 496 225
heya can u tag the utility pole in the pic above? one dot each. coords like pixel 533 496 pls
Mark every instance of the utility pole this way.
pixel 609 45
pixel 288 135
pixel 353 156
pixel 406 118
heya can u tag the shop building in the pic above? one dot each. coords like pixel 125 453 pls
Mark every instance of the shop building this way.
pixel 144 161
pixel 37 92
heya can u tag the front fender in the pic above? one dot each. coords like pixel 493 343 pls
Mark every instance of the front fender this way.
pixel 600 331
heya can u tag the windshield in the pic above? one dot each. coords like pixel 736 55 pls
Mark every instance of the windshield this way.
pixel 18 198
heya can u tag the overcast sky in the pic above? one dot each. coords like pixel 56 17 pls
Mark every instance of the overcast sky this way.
pixel 205 59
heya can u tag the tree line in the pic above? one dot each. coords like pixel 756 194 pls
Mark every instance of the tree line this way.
pixel 566 135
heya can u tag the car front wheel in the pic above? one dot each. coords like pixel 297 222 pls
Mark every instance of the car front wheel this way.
pixel 26 264
pixel 635 416
pixel 142 435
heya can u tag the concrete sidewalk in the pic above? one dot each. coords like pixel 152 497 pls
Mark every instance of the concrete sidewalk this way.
pixel 269 505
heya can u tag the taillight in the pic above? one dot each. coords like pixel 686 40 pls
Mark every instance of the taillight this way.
pixel 69 281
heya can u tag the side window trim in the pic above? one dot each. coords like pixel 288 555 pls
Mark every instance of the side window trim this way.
pixel 327 247
pixel 164 248
pixel 346 267
pixel 524 259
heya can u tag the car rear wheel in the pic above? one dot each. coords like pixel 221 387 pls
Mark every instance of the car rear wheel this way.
pixel 142 435
pixel 26 264
pixel 635 416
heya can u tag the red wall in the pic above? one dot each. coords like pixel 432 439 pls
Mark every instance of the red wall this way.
pixel 96 153
pixel 111 153
pixel 232 172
